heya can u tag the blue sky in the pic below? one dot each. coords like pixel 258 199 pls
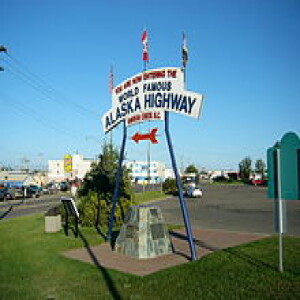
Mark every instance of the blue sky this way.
pixel 244 56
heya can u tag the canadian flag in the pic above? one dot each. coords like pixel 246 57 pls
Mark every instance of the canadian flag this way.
pixel 145 46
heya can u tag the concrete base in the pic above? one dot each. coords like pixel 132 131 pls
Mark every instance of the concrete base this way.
pixel 208 241
pixel 144 233
pixel 52 223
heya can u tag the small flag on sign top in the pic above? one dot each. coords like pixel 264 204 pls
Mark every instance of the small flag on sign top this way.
pixel 185 56
pixel 111 80
pixel 145 46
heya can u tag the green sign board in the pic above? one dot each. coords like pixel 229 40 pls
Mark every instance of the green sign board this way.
pixel 284 168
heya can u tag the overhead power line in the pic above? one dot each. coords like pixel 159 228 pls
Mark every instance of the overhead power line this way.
pixel 26 110
pixel 26 76
pixel 45 92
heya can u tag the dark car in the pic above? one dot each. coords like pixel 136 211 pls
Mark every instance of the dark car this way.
pixel 33 191
pixel 3 191
pixel 64 186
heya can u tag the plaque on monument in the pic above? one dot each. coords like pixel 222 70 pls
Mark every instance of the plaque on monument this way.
pixel 144 233
pixel 157 231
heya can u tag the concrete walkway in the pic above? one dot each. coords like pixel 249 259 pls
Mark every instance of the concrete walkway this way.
pixel 207 241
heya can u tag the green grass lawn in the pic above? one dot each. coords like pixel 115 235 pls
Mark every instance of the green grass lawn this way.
pixel 31 267
pixel 150 196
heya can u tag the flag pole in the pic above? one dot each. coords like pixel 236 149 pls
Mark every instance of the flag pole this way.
pixel 148 150
pixel 145 58
pixel 111 88
pixel 184 77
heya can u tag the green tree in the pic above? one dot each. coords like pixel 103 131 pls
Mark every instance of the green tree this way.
pixel 97 189
pixel 191 169
pixel 245 168
pixel 260 168
pixel 169 186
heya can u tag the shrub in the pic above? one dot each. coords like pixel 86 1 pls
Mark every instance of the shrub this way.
pixel 88 207
pixel 169 186
pixel 95 195
pixel 95 211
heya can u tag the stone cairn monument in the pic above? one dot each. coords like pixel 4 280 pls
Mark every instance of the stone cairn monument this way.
pixel 144 233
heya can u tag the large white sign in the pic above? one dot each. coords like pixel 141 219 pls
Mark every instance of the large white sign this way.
pixel 147 95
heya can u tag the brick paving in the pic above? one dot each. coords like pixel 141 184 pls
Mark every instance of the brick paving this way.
pixel 207 241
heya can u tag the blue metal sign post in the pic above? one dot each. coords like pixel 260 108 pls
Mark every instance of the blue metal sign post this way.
pixel 117 187
pixel 183 206
pixel 184 210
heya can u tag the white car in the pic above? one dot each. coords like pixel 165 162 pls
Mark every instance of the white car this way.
pixel 195 192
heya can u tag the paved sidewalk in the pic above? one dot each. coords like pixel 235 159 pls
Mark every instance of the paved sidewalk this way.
pixel 207 241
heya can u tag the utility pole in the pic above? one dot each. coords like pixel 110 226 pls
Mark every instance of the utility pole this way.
pixel 40 161
pixel 25 164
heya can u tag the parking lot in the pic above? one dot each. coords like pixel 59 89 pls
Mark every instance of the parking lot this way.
pixel 243 208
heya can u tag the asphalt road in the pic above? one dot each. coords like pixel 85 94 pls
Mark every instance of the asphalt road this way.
pixel 20 207
pixel 242 208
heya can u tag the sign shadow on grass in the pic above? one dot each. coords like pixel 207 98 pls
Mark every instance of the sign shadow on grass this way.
pixel 6 212
pixel 10 209
pixel 255 261
pixel 110 284
pixel 231 251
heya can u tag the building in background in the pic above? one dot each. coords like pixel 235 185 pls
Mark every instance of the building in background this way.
pixel 69 168
pixel 16 178
pixel 169 173
pixel 140 172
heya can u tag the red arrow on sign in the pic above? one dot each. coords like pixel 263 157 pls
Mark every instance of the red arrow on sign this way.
pixel 147 136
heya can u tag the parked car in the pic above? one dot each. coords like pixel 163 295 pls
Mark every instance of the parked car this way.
pixel 262 182
pixel 194 191
pixel 34 191
pixel 187 187
pixel 49 188
pixel 46 190
pixel 63 186
pixel 220 178
pixel 2 193
pixel 14 192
